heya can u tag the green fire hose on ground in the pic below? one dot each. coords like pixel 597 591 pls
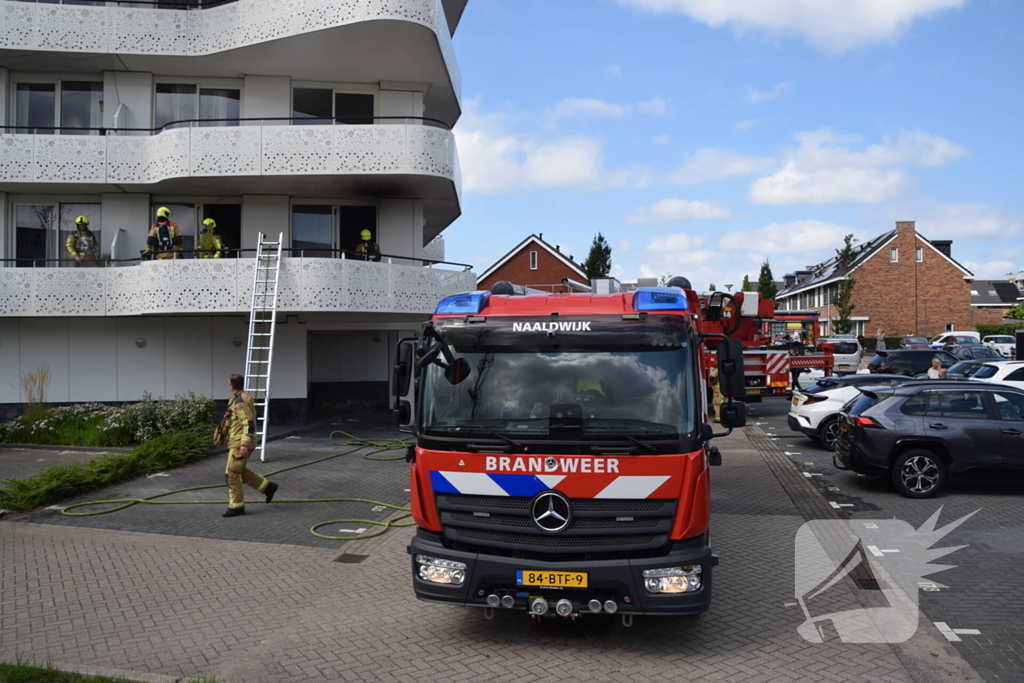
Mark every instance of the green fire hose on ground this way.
pixel 377 449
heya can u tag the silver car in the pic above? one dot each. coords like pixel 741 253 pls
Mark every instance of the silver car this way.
pixel 847 354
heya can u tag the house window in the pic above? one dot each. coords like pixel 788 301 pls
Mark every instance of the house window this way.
pixel 894 255
pixel 533 260
pixel 76 104
pixel 919 254
pixel 179 103
pixel 321 105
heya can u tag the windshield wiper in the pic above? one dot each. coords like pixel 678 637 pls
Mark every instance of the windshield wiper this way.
pixel 515 443
pixel 643 444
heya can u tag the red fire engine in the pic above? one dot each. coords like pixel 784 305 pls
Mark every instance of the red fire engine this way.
pixel 562 449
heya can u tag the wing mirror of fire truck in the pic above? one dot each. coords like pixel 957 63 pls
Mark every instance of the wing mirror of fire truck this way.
pixel 730 368
pixel 734 415
pixel 403 386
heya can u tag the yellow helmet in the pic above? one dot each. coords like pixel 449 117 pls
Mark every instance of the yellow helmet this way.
pixel 163 212
pixel 82 219
pixel 366 235
pixel 210 224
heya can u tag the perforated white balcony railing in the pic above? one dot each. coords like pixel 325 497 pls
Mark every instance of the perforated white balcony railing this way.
pixel 267 150
pixel 224 286
pixel 178 32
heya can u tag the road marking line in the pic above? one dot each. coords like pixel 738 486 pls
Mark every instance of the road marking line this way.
pixel 953 634
pixel 833 488
pixel 840 505
pixel 880 553
pixel 811 474
pixel 352 531
pixel 158 474
pixel 793 453
pixel 54 507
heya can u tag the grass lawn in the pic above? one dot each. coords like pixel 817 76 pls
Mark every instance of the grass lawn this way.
pixel 29 672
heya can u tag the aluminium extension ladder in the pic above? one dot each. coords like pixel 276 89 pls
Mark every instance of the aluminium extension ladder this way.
pixel 260 350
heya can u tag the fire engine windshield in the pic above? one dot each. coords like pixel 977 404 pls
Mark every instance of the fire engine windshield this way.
pixel 645 391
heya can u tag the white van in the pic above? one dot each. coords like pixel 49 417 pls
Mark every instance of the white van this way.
pixel 847 354
pixel 951 337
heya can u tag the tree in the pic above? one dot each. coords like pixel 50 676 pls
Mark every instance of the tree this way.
pixel 843 300
pixel 599 260
pixel 766 282
pixel 711 287
pixel 1016 311
pixel 746 284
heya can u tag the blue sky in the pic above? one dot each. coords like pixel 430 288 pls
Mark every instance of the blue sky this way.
pixel 701 136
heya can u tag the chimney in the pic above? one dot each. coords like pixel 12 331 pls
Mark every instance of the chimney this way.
pixel 905 226
pixel 945 246
pixel 540 235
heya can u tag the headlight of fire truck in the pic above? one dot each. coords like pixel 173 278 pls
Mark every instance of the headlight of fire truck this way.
pixel 673 579
pixel 436 570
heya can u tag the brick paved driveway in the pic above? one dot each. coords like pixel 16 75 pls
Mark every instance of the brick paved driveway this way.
pixel 100 591
pixel 986 590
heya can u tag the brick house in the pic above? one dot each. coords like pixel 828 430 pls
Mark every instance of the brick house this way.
pixel 991 299
pixel 534 263
pixel 905 283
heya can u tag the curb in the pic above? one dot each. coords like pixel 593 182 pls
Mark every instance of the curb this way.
pixel 924 657
pixel 119 674
pixel 78 449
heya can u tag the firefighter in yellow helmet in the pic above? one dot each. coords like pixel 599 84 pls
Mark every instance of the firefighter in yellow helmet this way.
pixel 241 415
pixel 715 381
pixel 210 243
pixel 82 244
pixel 164 241
pixel 368 249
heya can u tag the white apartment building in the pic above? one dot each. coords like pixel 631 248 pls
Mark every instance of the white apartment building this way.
pixel 312 118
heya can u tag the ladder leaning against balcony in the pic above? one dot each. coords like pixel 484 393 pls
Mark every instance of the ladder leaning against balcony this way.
pixel 260 350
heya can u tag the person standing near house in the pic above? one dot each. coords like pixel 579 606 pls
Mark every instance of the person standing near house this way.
pixel 210 243
pixel 241 413
pixel 880 340
pixel 164 241
pixel 82 244
pixel 367 248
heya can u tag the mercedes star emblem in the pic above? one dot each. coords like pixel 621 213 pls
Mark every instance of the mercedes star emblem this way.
pixel 551 511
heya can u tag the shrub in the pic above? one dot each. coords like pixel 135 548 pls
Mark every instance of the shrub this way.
pixel 34 385
pixel 870 343
pixel 94 424
pixel 165 451
pixel 985 330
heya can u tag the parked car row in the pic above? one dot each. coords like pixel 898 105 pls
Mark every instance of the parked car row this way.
pixel 1003 344
pixel 919 432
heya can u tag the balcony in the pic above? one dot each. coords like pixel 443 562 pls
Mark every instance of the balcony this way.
pixel 223 286
pixel 402 159
pixel 360 41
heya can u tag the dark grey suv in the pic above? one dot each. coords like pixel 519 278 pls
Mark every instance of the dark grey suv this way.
pixel 921 432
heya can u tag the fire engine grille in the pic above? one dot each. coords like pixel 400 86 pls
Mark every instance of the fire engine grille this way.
pixel 597 524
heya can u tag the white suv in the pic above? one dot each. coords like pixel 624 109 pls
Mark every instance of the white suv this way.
pixel 1004 344
pixel 847 354
pixel 1008 372
pixel 815 409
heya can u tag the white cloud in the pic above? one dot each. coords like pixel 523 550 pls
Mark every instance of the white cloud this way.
pixel 495 160
pixel 808 236
pixel 991 270
pixel 661 139
pixel 755 95
pixel 744 125
pixel 614 70
pixel 575 106
pixel 711 163
pixel 831 26
pixel 825 170
pixel 679 242
pixel 969 220
pixel 666 211
pixel 624 246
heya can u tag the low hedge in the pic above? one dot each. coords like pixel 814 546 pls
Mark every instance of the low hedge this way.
pixel 1011 329
pixel 98 425
pixel 163 452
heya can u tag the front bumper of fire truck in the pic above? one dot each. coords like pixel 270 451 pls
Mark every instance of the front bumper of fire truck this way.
pixel 617 580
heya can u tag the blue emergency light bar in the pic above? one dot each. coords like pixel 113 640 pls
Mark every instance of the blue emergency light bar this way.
pixel 467 303
pixel 659 299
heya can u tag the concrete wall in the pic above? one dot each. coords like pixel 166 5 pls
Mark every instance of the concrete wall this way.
pixel 131 213
pixel 399 102
pixel 270 214
pixel 135 90
pixel 267 96
pixel 400 226
pixel 3 225
pixel 349 355
pixel 117 359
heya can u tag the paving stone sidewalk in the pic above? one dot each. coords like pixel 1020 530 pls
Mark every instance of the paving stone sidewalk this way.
pixel 245 610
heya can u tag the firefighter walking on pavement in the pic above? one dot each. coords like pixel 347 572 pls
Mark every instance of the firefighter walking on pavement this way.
pixel 241 414
pixel 164 241
pixel 82 244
